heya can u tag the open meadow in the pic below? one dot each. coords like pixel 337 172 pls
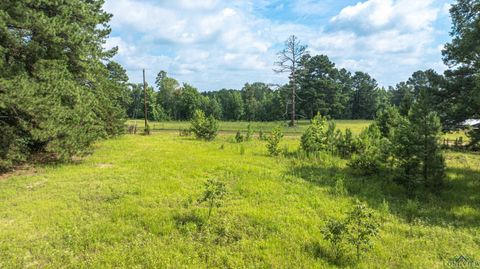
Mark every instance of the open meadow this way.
pixel 135 203
pixel 367 177
pixel 356 126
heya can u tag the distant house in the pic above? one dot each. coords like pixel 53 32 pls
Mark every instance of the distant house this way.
pixel 471 123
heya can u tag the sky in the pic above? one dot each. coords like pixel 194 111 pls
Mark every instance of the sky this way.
pixel 215 44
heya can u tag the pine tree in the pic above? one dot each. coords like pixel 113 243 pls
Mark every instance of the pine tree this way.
pixel 418 150
pixel 56 95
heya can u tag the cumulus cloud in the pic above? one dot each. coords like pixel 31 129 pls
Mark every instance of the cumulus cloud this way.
pixel 215 44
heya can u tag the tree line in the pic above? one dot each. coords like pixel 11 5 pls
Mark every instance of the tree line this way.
pixel 322 88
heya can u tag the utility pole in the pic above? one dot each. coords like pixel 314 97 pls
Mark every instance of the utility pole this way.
pixel 145 103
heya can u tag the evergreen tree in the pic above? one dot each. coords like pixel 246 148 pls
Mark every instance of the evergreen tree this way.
pixel 462 98
pixel 417 147
pixel 365 101
pixel 166 97
pixel 387 120
pixel 57 96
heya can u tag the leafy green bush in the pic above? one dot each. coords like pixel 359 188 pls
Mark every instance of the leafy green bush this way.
pixel 417 148
pixel 357 229
pixel 362 227
pixel 333 136
pixel 411 210
pixel 239 138
pixel 315 138
pixel 273 141
pixel 249 135
pixel 368 159
pixel 340 188
pixel 334 232
pixel 204 128
pixel 213 195
pixel 346 144
pixel 387 120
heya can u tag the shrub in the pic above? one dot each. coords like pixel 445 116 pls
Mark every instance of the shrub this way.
pixel 315 137
pixel 261 135
pixel 204 128
pixel 411 210
pixel 361 226
pixel 387 120
pixel 366 163
pixel 346 144
pixel 340 188
pixel 334 232
pixel 418 150
pixel 213 195
pixel 249 135
pixel 273 141
pixel 239 138
pixel 333 135
pixel 368 160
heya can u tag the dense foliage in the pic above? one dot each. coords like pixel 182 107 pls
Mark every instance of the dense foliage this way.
pixel 462 97
pixel 57 94
pixel 205 128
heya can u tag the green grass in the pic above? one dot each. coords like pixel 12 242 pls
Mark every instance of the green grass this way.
pixel 231 126
pixel 133 204
pixel 356 126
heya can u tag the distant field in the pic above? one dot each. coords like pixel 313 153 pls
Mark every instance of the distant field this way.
pixel 133 204
pixel 356 126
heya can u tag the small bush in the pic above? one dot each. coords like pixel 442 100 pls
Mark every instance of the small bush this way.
pixel 346 144
pixel 204 128
pixel 361 226
pixel 366 163
pixel 262 136
pixel 249 135
pixel 411 210
pixel 358 230
pixel 334 232
pixel 368 160
pixel 213 195
pixel 273 141
pixel 315 139
pixel 239 138
pixel 340 188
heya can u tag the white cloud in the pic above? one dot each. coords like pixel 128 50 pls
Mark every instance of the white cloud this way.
pixel 214 44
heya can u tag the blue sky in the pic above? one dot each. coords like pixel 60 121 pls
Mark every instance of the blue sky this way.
pixel 214 44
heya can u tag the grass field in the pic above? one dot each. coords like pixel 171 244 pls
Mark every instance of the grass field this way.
pixel 356 126
pixel 231 126
pixel 133 204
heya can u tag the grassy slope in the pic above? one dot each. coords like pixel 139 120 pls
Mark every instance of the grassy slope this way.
pixel 132 204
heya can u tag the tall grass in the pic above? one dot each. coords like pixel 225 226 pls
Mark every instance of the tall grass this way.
pixel 134 203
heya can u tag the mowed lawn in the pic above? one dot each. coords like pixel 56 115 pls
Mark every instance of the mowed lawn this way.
pixel 133 203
